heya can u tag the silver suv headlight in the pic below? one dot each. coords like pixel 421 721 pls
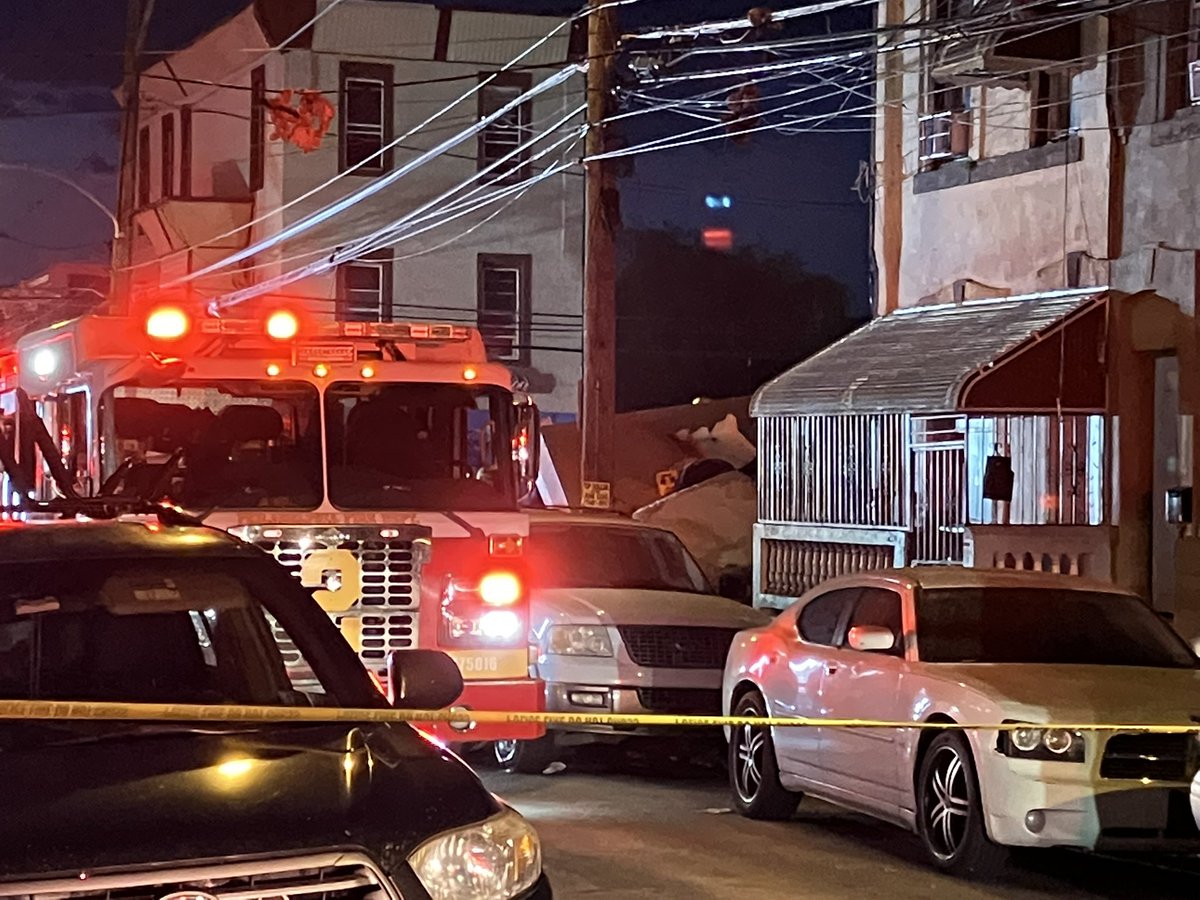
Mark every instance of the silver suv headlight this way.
pixel 578 640
pixel 493 860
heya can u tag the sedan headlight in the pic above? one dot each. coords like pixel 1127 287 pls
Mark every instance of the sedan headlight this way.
pixel 578 640
pixel 1032 742
pixel 493 860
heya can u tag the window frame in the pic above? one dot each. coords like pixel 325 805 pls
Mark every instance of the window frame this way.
pixel 167 158
pixel 256 178
pixel 522 315
pixel 1049 106
pixel 384 75
pixel 185 151
pixel 378 259
pixel 143 168
pixel 865 592
pixel 518 169
pixel 849 599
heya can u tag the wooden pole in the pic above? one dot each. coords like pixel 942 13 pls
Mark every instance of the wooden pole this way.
pixel 599 299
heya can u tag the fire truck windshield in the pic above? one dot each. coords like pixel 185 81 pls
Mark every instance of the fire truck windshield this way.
pixel 236 444
pixel 419 446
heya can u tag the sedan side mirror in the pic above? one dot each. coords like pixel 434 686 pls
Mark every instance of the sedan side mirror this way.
pixel 422 679
pixel 871 639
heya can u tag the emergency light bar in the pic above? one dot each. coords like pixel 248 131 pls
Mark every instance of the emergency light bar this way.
pixel 280 324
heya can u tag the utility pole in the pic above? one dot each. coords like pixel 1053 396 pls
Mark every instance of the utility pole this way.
pixel 600 269
pixel 137 22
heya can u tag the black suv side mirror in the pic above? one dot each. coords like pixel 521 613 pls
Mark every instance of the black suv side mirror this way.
pixel 422 679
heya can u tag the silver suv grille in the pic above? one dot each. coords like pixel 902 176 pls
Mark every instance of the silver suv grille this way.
pixel 334 876
pixel 390 571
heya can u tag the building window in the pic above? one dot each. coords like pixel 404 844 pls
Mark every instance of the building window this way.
pixel 168 155
pixel 367 116
pixel 504 299
pixel 258 104
pixel 507 133
pixel 143 170
pixel 1176 72
pixel 1050 107
pixel 185 152
pixel 365 289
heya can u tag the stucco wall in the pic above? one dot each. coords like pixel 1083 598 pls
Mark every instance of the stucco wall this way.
pixel 1010 233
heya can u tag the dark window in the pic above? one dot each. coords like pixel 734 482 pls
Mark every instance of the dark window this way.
pixel 167 630
pixel 504 299
pixel 441 44
pixel 1050 100
pixel 242 444
pixel 258 105
pixel 509 131
pixel 143 168
pixel 365 289
pixel 1177 50
pixel 366 118
pixel 1044 625
pixel 819 620
pixel 185 152
pixel 419 446
pixel 880 608
pixel 168 155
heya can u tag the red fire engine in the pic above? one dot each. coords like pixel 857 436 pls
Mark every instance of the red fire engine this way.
pixel 384 463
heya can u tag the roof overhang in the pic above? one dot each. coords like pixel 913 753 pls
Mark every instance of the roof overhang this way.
pixel 1035 353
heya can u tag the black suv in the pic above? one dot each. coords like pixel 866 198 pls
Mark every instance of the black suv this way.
pixel 140 611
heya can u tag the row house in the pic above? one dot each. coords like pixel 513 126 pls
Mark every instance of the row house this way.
pixel 212 177
pixel 1026 396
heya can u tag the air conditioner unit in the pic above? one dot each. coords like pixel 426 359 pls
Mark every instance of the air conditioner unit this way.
pixel 944 135
pixel 1194 82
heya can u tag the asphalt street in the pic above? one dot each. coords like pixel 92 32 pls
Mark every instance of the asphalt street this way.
pixel 624 823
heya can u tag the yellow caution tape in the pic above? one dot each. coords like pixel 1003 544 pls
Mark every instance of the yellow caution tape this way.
pixel 180 712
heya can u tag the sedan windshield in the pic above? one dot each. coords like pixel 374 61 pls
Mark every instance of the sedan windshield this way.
pixel 419 446
pixel 133 631
pixel 601 556
pixel 233 444
pixel 1061 627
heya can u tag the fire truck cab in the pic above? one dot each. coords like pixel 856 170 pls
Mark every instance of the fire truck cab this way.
pixel 384 463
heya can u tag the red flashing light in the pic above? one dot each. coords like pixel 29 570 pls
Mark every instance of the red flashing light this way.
pixel 283 325
pixel 500 589
pixel 717 238
pixel 168 323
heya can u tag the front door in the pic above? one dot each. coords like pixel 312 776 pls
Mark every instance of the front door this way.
pixel 863 763
pixel 818 627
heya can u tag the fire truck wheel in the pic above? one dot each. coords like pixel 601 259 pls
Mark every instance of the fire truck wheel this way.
pixel 526 757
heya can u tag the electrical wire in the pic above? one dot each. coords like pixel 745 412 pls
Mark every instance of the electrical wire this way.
pixel 482 82
pixel 376 185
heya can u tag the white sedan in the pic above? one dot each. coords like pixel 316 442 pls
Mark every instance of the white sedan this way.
pixel 972 647
pixel 623 621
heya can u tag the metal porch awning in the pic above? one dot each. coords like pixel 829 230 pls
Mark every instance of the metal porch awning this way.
pixel 980 355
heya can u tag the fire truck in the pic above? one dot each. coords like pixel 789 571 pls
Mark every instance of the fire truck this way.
pixel 384 463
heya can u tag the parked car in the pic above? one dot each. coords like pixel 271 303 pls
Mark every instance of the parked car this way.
pixel 144 612
pixel 623 621
pixel 970 647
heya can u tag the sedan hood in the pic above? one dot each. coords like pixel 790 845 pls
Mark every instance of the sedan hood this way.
pixel 1084 695
pixel 636 606
pixel 92 797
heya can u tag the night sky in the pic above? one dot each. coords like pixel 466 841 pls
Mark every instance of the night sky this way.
pixel 60 61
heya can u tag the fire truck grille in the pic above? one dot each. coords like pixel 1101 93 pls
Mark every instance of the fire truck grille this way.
pixel 386 609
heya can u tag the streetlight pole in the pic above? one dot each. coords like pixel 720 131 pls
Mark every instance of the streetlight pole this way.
pixel 78 188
